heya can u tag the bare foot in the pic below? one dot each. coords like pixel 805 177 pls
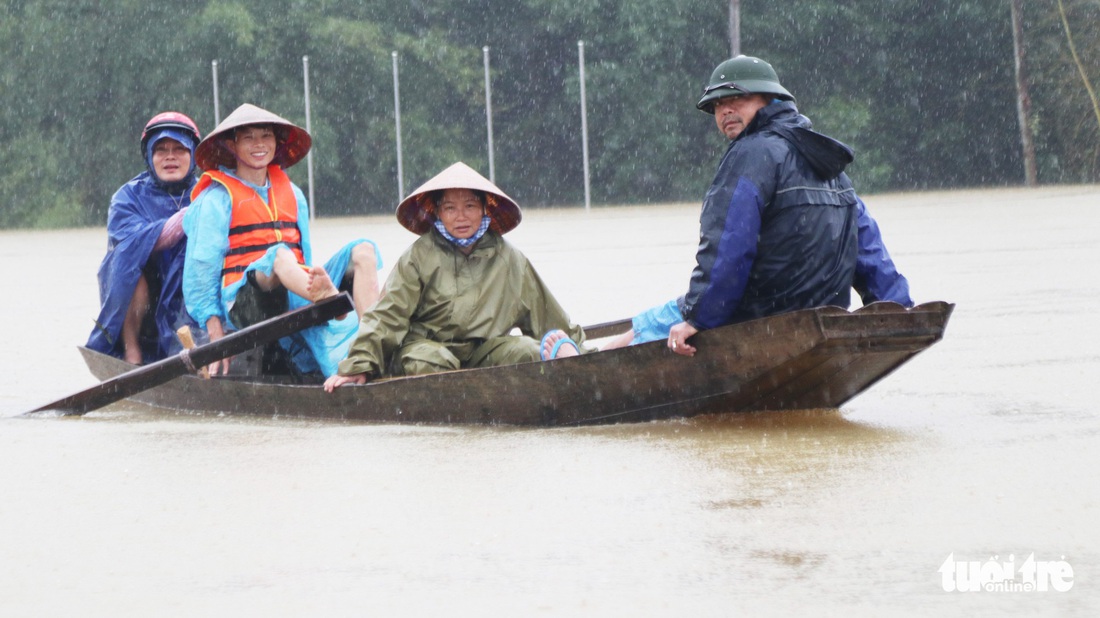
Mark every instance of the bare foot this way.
pixel 320 285
pixel 565 350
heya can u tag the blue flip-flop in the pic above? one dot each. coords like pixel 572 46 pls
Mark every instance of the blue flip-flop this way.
pixel 554 350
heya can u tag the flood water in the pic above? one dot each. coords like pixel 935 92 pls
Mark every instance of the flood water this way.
pixel 984 448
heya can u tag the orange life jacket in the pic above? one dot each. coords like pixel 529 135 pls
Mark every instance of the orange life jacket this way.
pixel 254 225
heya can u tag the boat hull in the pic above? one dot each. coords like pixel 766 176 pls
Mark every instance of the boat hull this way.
pixel 816 358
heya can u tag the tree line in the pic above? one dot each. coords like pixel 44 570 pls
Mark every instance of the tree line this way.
pixel 923 90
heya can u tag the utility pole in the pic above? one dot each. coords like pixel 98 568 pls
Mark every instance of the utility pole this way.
pixel 489 113
pixel 735 28
pixel 1023 97
pixel 309 129
pixel 584 129
pixel 217 111
pixel 397 129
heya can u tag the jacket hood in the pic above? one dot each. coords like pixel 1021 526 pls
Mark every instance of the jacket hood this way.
pixel 827 157
pixel 188 142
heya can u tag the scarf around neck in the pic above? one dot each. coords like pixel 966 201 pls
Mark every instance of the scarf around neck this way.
pixel 465 242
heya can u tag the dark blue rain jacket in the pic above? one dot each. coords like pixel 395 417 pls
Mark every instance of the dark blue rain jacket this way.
pixel 135 220
pixel 782 229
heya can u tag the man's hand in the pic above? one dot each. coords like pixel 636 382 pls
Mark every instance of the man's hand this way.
pixel 337 381
pixel 215 331
pixel 678 336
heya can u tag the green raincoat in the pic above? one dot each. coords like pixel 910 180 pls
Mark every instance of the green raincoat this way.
pixel 437 293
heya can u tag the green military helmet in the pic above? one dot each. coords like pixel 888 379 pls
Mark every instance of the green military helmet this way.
pixel 741 75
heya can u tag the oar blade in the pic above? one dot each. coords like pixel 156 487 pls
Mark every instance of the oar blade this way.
pixel 154 374
pixel 118 387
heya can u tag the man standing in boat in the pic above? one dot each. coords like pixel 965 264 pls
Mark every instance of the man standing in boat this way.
pixel 782 228
pixel 249 256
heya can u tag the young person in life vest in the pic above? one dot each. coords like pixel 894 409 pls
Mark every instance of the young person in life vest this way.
pixel 249 256
pixel 141 299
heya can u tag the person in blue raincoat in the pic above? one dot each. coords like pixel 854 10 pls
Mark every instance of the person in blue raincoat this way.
pixel 140 278
pixel 781 228
pixel 249 254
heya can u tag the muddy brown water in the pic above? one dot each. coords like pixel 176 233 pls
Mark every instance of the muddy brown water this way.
pixel 985 449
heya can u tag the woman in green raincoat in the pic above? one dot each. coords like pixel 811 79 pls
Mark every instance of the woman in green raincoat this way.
pixel 456 294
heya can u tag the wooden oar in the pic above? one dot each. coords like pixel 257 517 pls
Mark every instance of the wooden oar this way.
pixel 188 361
pixel 607 329
pixel 187 340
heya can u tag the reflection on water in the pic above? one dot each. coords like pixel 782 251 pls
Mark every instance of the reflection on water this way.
pixel 982 446
pixel 766 460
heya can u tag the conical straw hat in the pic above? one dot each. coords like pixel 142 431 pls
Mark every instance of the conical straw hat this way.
pixel 212 152
pixel 417 212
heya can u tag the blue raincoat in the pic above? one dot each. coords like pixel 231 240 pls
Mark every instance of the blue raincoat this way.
pixel 135 219
pixel 781 229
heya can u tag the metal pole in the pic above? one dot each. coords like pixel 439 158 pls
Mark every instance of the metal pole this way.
pixel 735 27
pixel 309 155
pixel 584 131
pixel 217 112
pixel 489 113
pixel 1023 96
pixel 397 129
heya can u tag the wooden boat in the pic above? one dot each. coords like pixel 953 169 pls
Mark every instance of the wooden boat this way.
pixel 815 358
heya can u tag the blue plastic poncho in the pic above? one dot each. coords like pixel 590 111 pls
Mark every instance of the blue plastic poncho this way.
pixel 315 349
pixel 135 220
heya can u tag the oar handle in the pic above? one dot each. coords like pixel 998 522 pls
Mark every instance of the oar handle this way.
pixel 188 343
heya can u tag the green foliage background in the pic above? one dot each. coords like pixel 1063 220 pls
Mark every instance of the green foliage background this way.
pixel 922 89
